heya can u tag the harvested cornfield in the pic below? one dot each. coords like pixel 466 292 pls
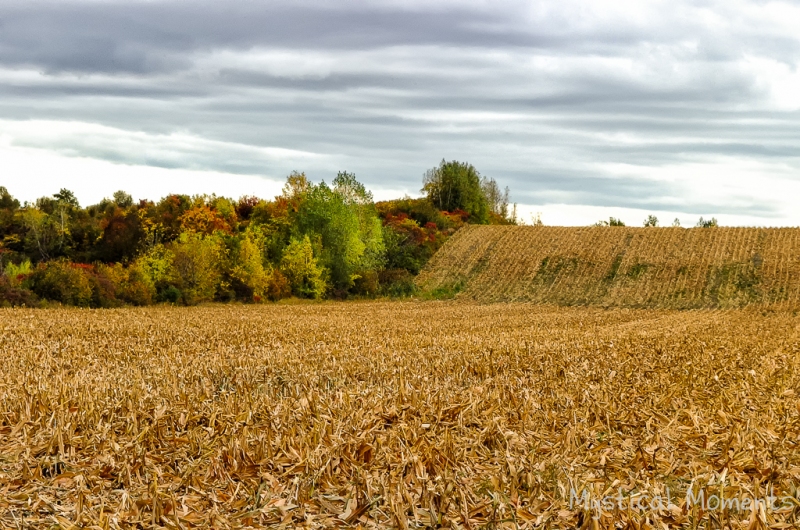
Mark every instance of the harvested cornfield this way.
pixel 398 415
pixel 616 266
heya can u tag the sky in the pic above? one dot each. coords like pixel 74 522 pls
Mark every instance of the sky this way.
pixel 584 109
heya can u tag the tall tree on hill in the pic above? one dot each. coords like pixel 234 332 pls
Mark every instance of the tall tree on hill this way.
pixel 498 201
pixel 457 186
pixel 343 225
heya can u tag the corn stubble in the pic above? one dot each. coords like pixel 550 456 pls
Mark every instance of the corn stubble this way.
pixel 663 268
pixel 402 415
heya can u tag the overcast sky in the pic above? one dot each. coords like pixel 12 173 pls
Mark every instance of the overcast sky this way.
pixel 584 108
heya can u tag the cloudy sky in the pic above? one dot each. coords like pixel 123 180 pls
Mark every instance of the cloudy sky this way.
pixel 584 108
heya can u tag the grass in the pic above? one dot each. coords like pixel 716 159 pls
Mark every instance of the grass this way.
pixel 391 415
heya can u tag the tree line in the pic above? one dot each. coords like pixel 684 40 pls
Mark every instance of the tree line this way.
pixel 312 241
pixel 652 221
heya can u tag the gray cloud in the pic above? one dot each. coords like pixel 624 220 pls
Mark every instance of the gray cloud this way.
pixel 577 102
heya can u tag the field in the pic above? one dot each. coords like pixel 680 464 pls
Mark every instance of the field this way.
pixel 402 415
pixel 673 268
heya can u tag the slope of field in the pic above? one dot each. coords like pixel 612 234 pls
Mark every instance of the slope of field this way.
pixel 617 266
pixel 396 415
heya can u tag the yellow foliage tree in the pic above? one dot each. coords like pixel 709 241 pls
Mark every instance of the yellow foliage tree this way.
pixel 196 262
pixel 247 266
pixel 300 267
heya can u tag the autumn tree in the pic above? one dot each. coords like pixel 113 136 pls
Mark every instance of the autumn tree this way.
pixel 122 234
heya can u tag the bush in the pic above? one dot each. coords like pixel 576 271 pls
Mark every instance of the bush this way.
pixel 137 289
pixel 408 245
pixel 651 220
pixel 169 294
pixel 420 210
pixel 367 284
pixel 104 287
pixel 16 274
pixel 62 281
pixel 397 283
pixel 278 286
pixel 119 284
pixel 15 296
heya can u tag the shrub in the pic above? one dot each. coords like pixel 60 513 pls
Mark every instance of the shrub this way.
pixel 62 281
pixel 169 294
pixel 278 286
pixel 367 284
pixel 16 274
pixel 14 296
pixel 104 284
pixel 397 283
pixel 129 285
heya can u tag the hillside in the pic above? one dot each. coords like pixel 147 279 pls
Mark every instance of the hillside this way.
pixel 620 266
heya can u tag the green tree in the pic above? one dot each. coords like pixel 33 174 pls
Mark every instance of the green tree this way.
pixel 305 275
pixel 498 202
pixel 345 224
pixel 46 234
pixel 66 197
pixel 156 264
pixel 370 232
pixel 123 199
pixel 651 220
pixel 7 202
pixel 457 186
pixel 10 229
